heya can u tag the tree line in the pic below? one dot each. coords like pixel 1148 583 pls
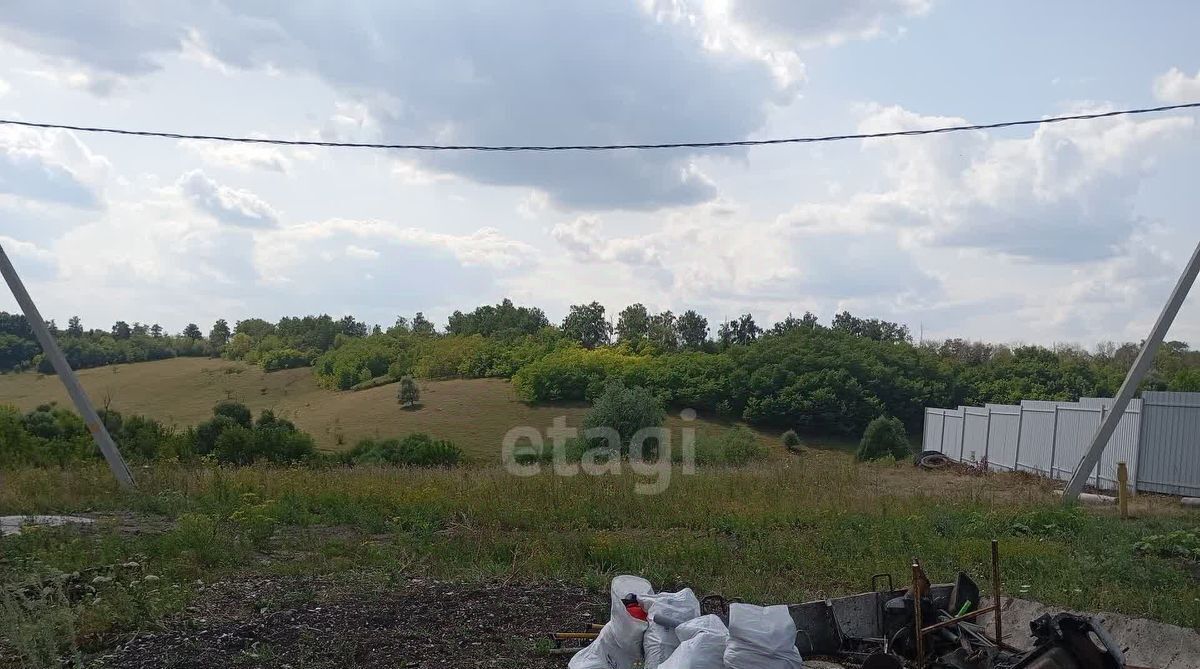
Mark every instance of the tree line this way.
pixel 797 373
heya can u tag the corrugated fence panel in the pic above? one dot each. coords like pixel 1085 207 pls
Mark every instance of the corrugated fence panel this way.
pixel 1037 434
pixel 975 434
pixel 1075 428
pixel 1169 460
pixel 1122 446
pixel 952 439
pixel 1002 436
pixel 935 424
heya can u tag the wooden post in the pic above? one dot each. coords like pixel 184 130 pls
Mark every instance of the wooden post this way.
pixel 1123 488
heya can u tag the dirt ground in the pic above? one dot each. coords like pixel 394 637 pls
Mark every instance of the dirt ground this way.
pixel 414 624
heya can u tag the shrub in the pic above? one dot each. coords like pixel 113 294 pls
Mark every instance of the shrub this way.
pixel 236 445
pixel 884 437
pixel 209 431
pixel 738 446
pixel 625 410
pixel 741 445
pixel 237 411
pixel 283 358
pixel 1177 544
pixel 415 450
pixel 791 440
pixel 408 394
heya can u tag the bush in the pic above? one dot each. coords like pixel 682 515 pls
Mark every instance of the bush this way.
pixel 791 440
pixel 241 441
pixel 415 450
pixel 408 394
pixel 237 411
pixel 236 445
pixel 884 436
pixel 625 410
pixel 736 447
pixel 1183 544
pixel 284 358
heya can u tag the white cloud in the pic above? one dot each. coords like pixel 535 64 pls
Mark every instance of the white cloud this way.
pixel 714 260
pixel 1176 86
pixel 282 251
pixel 228 205
pixel 361 253
pixel 463 74
pixel 32 261
pixel 51 166
pixel 240 156
pixel 1065 194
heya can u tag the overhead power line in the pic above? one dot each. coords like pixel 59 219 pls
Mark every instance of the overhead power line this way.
pixel 604 147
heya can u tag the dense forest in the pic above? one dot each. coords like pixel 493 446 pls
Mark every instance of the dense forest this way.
pixel 798 373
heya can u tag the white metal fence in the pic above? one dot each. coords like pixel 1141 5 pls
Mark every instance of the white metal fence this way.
pixel 1158 438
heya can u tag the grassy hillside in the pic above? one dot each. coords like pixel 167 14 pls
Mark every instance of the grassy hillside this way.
pixel 473 413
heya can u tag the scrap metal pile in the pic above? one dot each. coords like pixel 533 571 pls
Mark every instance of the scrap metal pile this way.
pixel 922 626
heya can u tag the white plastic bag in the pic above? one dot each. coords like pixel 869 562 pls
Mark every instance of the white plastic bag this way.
pixel 619 644
pixel 761 637
pixel 701 644
pixel 666 611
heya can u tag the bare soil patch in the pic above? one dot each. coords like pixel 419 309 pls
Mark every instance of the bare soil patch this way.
pixel 415 623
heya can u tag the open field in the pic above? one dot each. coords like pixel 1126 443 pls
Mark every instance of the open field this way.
pixel 797 528
pixel 473 413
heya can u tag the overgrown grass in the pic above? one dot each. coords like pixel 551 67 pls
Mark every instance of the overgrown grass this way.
pixel 782 531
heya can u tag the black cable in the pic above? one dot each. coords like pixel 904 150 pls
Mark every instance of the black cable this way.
pixel 606 147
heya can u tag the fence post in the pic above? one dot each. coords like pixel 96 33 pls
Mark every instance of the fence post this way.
pixel 1141 434
pixel 987 439
pixel 1123 488
pixel 1053 441
pixel 962 433
pixel 942 438
pixel 1017 450
pixel 1105 446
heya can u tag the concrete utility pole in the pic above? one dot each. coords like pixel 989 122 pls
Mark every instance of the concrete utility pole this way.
pixel 66 374
pixel 1136 373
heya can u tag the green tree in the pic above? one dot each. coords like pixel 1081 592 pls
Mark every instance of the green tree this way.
pixel 884 436
pixel 662 332
pixel 739 332
pixel 633 324
pixel 423 326
pixel 218 337
pixel 408 394
pixel 74 327
pixel 692 329
pixel 585 323
pixel 192 331
pixel 121 330
pixel 625 410
pixel 156 331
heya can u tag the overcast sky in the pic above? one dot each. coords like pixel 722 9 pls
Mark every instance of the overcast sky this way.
pixel 1070 232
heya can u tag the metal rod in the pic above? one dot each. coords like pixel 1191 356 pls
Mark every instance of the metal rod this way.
pixel 963 618
pixel 1136 373
pixel 65 374
pixel 996 587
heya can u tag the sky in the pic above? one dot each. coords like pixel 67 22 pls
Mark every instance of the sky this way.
pixel 1059 233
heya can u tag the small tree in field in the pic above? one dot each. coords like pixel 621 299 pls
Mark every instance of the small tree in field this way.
pixel 409 394
pixel 884 436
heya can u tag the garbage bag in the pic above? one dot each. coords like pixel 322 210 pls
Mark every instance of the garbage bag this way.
pixel 701 644
pixel 619 644
pixel 666 610
pixel 761 637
